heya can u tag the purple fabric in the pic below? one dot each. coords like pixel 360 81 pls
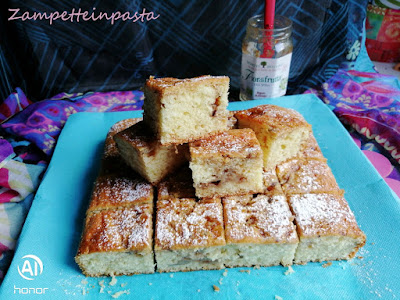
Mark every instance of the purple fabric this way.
pixel 14 103
pixel 368 102
pixel 41 122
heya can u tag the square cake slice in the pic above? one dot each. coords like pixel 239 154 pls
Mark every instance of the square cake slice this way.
pixel 113 191
pixel 141 150
pixel 184 110
pixel 300 176
pixel 117 242
pixel 326 227
pixel 280 131
pixel 189 234
pixel 229 163
pixel 259 231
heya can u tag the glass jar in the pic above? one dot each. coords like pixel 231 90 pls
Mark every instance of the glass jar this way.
pixel 266 57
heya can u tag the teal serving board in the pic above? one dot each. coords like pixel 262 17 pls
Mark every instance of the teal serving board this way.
pixel 53 227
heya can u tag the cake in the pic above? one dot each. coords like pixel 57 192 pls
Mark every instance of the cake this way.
pixel 143 152
pixel 271 183
pixel 177 185
pixel 183 110
pixel 310 149
pixel 113 191
pixel 189 234
pixel 259 231
pixel 111 161
pixel 117 242
pixel 280 131
pixel 110 148
pixel 326 227
pixel 300 176
pixel 229 163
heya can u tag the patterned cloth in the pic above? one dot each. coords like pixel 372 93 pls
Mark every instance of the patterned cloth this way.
pixel 383 33
pixel 368 102
pixel 27 141
pixel 41 122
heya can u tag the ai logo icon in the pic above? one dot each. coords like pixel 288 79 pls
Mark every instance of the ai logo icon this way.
pixel 32 267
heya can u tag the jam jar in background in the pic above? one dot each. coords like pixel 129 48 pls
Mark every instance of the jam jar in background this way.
pixel 266 57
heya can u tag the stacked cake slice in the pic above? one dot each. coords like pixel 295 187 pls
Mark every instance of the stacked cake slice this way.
pixel 249 188
pixel 118 233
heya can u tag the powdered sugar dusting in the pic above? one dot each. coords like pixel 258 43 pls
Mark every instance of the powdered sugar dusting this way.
pixel 189 223
pixel 235 142
pixel 273 117
pixel 111 190
pixel 305 176
pixel 263 218
pixel 123 229
pixel 323 214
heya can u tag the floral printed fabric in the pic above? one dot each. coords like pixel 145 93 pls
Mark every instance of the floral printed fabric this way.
pixel 41 122
pixel 370 103
pixel 27 141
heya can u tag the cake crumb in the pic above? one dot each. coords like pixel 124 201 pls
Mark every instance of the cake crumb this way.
pixel 278 297
pixel 220 280
pixel 245 271
pixel 102 286
pixel 150 283
pixel 225 273
pixel 113 280
pixel 328 264
pixel 171 275
pixel 360 257
pixel 289 271
pixel 124 284
pixel 84 281
pixel 198 290
pixel 118 294
pixel 216 289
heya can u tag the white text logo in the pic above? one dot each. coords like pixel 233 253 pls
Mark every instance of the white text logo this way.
pixel 31 268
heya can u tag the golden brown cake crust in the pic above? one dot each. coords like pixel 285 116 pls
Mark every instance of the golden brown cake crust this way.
pixel 139 136
pixel 260 219
pixel 115 191
pixel 240 143
pixel 166 85
pixel 324 215
pixel 311 149
pixel 306 176
pixel 187 223
pixel 274 118
pixel 110 148
pixel 127 229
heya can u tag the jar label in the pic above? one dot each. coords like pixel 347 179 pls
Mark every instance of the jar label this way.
pixel 264 77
